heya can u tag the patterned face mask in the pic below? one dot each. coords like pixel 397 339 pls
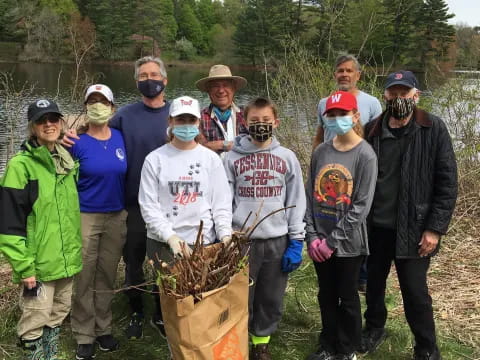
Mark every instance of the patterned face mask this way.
pixel 400 108
pixel 260 131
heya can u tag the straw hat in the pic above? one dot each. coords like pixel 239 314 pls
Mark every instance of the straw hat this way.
pixel 220 72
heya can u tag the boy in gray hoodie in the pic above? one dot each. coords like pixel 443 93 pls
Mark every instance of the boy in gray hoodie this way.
pixel 260 170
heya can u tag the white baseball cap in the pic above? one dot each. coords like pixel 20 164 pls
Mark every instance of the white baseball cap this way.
pixel 101 89
pixel 185 105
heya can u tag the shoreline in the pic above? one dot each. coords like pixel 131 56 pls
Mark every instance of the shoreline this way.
pixel 168 63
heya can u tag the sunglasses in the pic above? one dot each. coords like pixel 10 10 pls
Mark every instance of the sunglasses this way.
pixel 52 119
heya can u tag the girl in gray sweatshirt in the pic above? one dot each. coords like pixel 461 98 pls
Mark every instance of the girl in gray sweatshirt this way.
pixel 340 191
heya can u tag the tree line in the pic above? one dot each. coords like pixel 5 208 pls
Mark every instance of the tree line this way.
pixel 388 33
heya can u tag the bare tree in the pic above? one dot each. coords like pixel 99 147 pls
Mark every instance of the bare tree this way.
pixel 82 38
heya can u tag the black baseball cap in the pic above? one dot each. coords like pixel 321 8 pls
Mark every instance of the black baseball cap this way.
pixel 41 107
pixel 402 77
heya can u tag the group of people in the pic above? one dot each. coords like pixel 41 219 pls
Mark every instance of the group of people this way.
pixel 136 182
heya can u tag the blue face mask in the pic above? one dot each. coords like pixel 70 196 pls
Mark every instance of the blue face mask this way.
pixel 185 133
pixel 340 125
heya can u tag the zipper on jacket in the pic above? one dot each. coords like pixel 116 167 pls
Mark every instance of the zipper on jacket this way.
pixel 60 224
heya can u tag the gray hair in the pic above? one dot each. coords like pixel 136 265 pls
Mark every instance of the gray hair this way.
pixel 347 57
pixel 147 59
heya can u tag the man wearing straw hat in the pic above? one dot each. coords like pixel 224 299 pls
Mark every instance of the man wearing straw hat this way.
pixel 222 120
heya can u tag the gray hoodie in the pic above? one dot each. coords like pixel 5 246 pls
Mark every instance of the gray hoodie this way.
pixel 272 175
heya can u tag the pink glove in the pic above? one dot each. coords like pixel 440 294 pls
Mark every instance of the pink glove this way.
pixel 319 250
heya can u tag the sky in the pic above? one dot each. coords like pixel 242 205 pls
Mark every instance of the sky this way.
pixel 466 11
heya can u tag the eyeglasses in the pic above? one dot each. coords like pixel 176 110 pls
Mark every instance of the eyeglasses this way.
pixel 94 101
pixel 152 75
pixel 52 119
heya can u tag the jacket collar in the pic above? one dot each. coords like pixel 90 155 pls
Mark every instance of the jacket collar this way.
pixel 420 117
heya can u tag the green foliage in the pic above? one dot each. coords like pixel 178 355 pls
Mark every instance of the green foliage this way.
pixel 60 7
pixel 113 20
pixel 155 18
pixel 468 47
pixel 185 49
pixel 169 27
pixel 272 22
pixel 413 34
pixel 189 26
pixel 6 30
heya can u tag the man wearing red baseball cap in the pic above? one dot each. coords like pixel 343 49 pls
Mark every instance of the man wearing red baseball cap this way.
pixel 414 201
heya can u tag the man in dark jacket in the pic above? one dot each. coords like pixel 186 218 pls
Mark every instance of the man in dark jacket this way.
pixel 413 205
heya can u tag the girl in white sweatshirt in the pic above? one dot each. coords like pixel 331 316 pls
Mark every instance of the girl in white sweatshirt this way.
pixel 182 183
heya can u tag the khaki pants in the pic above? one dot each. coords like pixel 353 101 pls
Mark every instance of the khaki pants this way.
pixel 49 308
pixel 103 239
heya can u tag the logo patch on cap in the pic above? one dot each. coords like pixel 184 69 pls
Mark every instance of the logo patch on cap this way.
pixel 98 87
pixel 185 102
pixel 43 103
pixel 336 98
pixel 398 76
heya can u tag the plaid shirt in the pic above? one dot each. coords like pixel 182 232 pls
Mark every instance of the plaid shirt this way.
pixel 210 125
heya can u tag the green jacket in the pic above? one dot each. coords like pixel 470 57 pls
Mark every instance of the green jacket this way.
pixel 40 216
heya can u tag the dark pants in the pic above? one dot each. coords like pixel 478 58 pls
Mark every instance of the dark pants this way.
pixel 134 256
pixel 265 300
pixel 412 276
pixel 339 303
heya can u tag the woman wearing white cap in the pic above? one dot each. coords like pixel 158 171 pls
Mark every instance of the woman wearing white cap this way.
pixel 101 187
pixel 177 191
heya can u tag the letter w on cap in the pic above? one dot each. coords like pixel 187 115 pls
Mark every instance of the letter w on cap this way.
pixel 336 98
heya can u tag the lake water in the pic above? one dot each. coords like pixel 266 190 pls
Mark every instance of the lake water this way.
pixel 54 81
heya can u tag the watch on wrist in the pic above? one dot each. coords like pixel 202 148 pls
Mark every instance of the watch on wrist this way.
pixel 225 145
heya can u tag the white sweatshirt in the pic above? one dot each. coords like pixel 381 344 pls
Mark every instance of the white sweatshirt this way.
pixel 178 188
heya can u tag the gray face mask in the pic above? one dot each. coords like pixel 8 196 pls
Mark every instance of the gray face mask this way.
pixel 400 108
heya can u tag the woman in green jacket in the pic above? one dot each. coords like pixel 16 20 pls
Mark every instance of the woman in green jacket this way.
pixel 40 230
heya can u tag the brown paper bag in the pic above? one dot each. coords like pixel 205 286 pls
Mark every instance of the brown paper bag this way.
pixel 214 328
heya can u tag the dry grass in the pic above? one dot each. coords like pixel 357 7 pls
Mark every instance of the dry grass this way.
pixel 8 290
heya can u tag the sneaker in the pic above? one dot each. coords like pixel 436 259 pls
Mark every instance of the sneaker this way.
pixel 371 339
pixel 158 325
pixel 260 352
pixel 322 354
pixel 107 343
pixel 135 327
pixel 85 352
pixel 425 355
pixel 351 356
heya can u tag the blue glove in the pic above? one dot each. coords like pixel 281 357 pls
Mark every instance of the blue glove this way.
pixel 292 257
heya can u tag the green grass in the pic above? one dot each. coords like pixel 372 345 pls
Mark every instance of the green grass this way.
pixel 295 339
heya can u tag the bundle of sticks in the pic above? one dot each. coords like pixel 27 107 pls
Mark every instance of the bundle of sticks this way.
pixel 208 267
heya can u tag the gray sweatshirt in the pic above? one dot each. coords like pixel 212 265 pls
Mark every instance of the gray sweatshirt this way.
pixel 340 191
pixel 272 175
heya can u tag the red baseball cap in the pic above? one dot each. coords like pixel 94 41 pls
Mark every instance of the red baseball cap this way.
pixel 342 100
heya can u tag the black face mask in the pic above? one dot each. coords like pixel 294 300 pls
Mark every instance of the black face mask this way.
pixel 260 132
pixel 400 108
pixel 151 88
